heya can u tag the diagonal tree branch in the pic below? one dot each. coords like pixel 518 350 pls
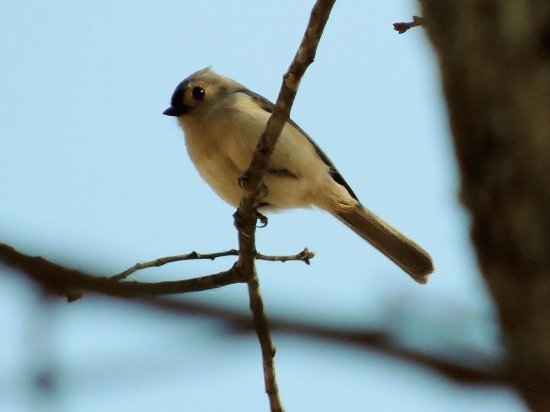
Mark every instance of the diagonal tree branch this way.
pixel 246 215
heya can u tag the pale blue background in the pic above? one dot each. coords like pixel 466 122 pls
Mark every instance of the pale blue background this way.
pixel 95 177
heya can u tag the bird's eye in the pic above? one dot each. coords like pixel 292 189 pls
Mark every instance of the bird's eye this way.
pixel 197 92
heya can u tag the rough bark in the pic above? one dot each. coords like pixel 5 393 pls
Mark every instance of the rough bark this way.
pixel 495 65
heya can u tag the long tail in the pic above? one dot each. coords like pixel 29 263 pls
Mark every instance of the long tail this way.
pixel 403 251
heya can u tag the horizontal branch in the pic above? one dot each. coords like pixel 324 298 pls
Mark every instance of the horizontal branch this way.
pixel 303 256
pixel 64 281
pixel 68 282
pixel 465 367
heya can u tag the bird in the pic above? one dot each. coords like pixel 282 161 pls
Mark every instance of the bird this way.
pixel 222 122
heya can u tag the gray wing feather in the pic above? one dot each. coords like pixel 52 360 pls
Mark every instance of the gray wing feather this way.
pixel 334 173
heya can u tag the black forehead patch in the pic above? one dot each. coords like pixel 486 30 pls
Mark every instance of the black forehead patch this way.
pixel 177 97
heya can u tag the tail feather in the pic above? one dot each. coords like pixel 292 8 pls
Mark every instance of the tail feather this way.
pixel 412 258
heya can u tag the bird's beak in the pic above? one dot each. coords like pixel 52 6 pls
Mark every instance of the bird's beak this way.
pixel 175 111
pixel 171 111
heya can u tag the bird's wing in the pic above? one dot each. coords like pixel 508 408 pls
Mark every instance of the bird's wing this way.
pixel 334 173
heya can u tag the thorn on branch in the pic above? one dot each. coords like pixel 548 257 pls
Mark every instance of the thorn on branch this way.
pixel 306 255
pixel 402 27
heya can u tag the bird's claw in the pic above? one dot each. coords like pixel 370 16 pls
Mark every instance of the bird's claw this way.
pixel 264 191
pixel 243 179
pixel 244 184
pixel 263 220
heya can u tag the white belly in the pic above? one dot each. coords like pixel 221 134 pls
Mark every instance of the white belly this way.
pixel 222 151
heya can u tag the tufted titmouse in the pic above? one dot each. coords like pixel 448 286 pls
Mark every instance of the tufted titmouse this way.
pixel 222 121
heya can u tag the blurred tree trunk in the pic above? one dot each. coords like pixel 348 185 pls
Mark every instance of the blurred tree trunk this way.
pixel 495 65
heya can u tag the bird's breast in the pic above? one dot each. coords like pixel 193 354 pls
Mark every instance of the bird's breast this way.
pixel 220 156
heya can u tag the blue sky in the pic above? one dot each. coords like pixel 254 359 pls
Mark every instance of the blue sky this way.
pixel 95 177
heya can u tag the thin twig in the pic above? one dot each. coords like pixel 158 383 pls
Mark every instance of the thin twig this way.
pixel 66 281
pixel 246 215
pixel 402 27
pixel 170 259
pixel 304 256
